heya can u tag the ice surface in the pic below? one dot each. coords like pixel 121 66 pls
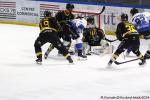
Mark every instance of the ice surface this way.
pixel 22 79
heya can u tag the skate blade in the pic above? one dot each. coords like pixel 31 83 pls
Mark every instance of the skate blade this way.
pixel 39 63
pixel 71 64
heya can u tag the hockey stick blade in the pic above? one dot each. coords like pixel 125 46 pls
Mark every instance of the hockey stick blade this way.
pixel 103 9
pixel 118 63
pixel 110 40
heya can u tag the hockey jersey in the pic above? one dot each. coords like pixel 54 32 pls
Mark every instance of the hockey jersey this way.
pixel 141 21
pixel 80 24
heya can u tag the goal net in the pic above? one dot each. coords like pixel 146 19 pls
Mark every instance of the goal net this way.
pixel 97 18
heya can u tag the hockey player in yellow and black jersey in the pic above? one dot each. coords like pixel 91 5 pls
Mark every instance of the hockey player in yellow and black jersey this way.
pixel 93 38
pixel 129 38
pixel 63 17
pixel 49 29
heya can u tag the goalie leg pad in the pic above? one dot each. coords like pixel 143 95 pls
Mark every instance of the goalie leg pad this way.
pixel 102 50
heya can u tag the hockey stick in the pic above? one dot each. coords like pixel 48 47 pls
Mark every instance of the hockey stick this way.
pixel 110 40
pixel 103 9
pixel 118 63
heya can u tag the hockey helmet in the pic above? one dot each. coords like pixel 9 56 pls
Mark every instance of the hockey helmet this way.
pixel 124 17
pixel 69 6
pixel 47 13
pixel 90 19
pixel 133 11
pixel 80 16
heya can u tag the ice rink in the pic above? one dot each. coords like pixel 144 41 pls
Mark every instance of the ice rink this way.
pixel 22 79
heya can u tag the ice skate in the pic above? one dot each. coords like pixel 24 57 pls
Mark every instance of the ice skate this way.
pixel 69 59
pixel 110 63
pixel 143 61
pixel 39 61
pixel 81 56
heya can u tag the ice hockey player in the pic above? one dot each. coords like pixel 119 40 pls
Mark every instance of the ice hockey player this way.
pixel 71 29
pixel 76 26
pixel 129 38
pixel 79 24
pixel 94 38
pixel 141 22
pixel 49 30
pixel 63 18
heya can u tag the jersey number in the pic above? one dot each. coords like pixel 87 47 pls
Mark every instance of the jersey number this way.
pixel 140 20
pixel 130 28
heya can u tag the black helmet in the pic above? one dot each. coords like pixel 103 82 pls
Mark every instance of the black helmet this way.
pixel 69 6
pixel 90 19
pixel 133 11
pixel 47 14
pixel 124 17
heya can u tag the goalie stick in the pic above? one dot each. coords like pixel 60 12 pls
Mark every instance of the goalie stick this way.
pixel 118 63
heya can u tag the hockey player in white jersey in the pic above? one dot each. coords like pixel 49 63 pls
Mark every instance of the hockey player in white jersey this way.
pixel 141 22
pixel 79 24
